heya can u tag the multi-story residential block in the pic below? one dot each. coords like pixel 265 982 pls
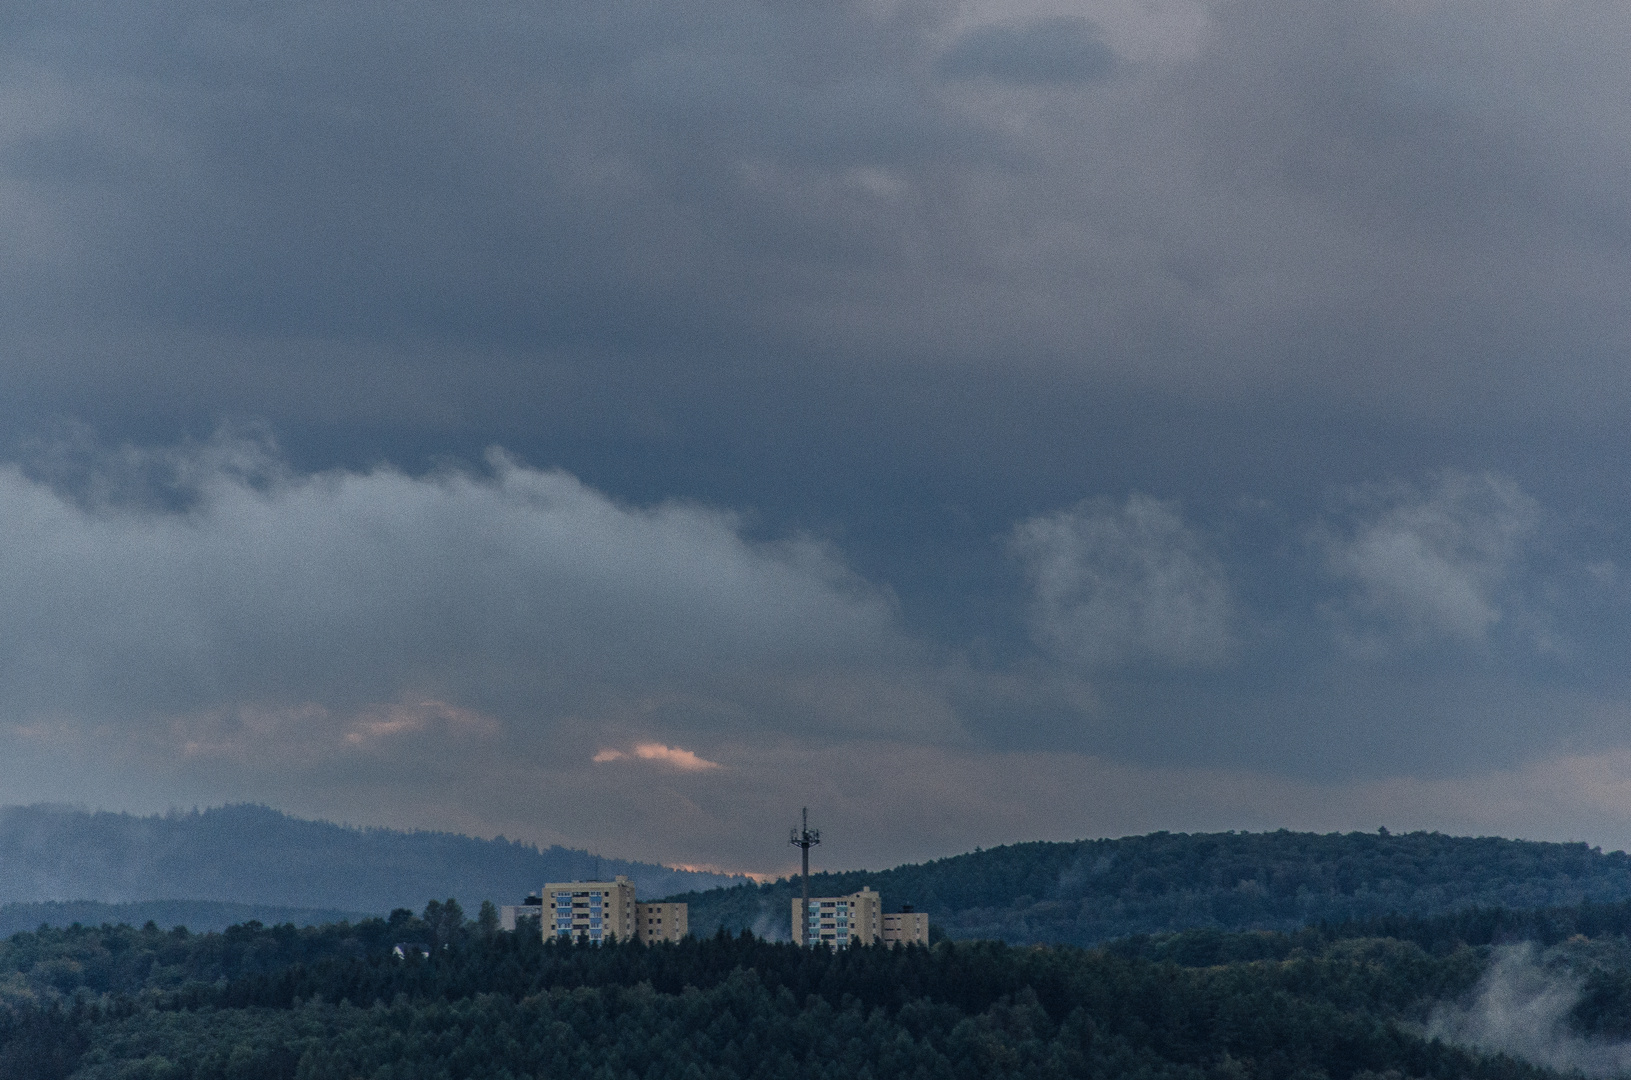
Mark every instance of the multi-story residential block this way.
pixel 661 922
pixel 906 927
pixel 598 910
pixel 589 910
pixel 857 919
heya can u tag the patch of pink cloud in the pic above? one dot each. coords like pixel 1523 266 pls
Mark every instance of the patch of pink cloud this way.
pixel 683 760
pixel 382 721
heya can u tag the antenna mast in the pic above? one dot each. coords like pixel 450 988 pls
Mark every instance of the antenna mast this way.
pixel 805 838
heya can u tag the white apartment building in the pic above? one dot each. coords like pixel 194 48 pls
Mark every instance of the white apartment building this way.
pixel 857 919
pixel 595 911
pixel 589 910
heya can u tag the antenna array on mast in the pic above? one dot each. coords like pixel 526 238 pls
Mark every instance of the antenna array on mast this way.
pixel 805 838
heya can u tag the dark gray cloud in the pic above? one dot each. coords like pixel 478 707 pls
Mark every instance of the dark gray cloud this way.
pixel 1159 386
pixel 1060 50
pixel 749 183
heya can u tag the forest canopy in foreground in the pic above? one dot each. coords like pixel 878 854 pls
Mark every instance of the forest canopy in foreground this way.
pixel 1358 1002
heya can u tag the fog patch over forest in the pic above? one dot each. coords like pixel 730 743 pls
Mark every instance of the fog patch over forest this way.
pixel 1525 1006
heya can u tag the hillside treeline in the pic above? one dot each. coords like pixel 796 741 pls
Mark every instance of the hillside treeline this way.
pixel 246 854
pixel 200 915
pixel 1098 890
pixel 283 1003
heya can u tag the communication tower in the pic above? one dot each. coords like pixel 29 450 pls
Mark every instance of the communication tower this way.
pixel 805 838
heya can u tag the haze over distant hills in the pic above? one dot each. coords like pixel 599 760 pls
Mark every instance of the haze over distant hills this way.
pixel 266 865
pixel 1094 890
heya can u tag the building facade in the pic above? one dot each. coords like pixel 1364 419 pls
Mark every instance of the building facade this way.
pixel 589 910
pixel 831 920
pixel 857 919
pixel 907 927
pixel 596 911
pixel 661 922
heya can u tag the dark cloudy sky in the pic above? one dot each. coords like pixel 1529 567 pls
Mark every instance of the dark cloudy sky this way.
pixel 620 423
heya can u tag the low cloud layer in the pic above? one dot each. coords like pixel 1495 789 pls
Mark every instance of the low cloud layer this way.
pixel 519 594
pixel 207 622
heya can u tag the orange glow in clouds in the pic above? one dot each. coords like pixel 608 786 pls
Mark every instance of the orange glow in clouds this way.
pixel 684 760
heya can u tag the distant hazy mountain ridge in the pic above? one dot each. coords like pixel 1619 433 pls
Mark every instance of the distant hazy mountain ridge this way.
pixel 1094 890
pixel 253 855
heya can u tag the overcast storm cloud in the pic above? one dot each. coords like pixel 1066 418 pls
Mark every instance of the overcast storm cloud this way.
pixel 1186 414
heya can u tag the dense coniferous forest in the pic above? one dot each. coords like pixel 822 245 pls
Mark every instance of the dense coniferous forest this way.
pixel 1349 1002
pixel 254 855
pixel 1096 890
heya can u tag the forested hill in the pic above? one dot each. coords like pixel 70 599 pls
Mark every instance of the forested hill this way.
pixel 1095 890
pixel 254 855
